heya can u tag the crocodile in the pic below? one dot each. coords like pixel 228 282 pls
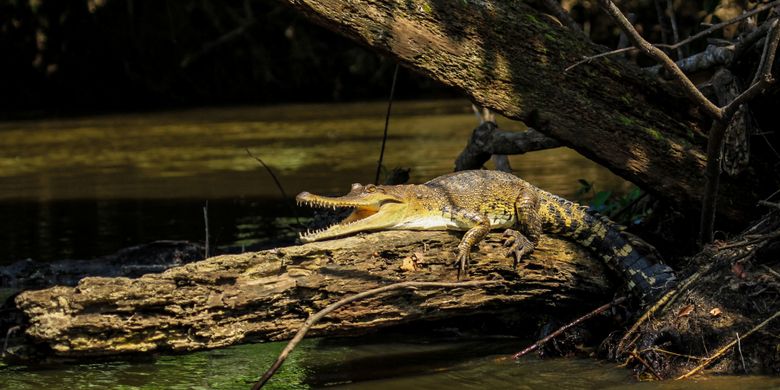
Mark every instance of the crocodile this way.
pixel 479 201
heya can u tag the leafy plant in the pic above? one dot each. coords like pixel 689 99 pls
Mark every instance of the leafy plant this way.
pixel 625 208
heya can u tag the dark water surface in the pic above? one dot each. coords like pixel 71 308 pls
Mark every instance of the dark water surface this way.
pixel 84 187
pixel 365 363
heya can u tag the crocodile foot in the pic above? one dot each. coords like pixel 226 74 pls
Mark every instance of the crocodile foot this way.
pixel 518 244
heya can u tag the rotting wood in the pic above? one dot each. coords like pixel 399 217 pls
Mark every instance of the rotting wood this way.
pixel 266 295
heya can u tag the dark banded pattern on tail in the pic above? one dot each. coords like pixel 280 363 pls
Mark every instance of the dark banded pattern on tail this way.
pixel 646 277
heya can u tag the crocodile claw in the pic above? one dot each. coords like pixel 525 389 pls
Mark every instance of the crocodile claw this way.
pixel 518 244
pixel 462 263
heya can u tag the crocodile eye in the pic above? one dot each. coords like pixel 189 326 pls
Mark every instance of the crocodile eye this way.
pixel 370 188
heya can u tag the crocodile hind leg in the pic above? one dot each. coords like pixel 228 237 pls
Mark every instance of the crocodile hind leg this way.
pixel 479 227
pixel 528 222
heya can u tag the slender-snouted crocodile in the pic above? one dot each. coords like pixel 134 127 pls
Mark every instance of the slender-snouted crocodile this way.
pixel 482 200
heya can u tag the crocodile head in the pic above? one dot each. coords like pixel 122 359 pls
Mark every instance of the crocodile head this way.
pixel 374 208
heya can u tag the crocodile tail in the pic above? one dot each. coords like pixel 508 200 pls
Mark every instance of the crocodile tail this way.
pixel 645 275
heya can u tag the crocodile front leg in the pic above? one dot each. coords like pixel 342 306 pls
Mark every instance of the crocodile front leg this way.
pixel 480 226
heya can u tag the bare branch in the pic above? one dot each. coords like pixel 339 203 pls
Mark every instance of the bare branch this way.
pixel 604 54
pixel 712 56
pixel 718 26
pixel 688 87
pixel 763 77
pixel 333 306
pixel 567 326
pixel 487 140
pixel 673 22
pixel 660 15
pixel 701 34
pixel 749 40
pixel 712 175
pixel 727 347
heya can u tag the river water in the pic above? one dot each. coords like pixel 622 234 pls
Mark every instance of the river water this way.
pixel 84 187
pixel 88 186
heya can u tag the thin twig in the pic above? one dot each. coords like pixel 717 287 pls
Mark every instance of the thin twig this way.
pixel 647 365
pixel 771 196
pixel 728 346
pixel 769 204
pixel 718 26
pixel 278 185
pixel 604 54
pixel 661 350
pixel 701 34
pixel 660 14
pixel 771 271
pixel 763 76
pixel 688 87
pixel 387 123
pixel 206 222
pixel 567 326
pixel 712 181
pixel 753 239
pixel 673 22
pixel 742 358
pixel 665 300
pixel 8 334
pixel 478 114
pixel 333 306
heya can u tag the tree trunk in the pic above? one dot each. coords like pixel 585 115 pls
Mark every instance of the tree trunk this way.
pixel 267 295
pixel 511 57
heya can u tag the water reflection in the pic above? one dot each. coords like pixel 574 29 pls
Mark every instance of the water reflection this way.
pixel 368 364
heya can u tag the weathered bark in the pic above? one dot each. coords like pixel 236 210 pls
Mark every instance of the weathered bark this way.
pixel 267 295
pixel 510 56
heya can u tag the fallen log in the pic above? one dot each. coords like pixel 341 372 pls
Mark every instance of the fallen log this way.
pixel 267 295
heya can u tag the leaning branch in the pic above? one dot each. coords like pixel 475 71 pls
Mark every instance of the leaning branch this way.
pixel 567 326
pixel 365 294
pixel 715 140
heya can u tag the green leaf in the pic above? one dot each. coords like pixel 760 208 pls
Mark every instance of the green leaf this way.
pixel 599 200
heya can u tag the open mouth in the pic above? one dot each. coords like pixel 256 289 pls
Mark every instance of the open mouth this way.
pixel 360 213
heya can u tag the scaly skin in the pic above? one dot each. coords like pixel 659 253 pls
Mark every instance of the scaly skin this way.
pixel 482 200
